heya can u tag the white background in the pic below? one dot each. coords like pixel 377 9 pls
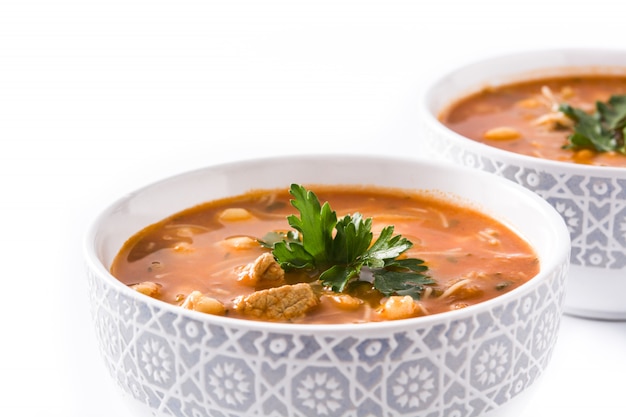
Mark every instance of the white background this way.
pixel 100 97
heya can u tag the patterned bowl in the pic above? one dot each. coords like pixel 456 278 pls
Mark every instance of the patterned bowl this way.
pixel 478 361
pixel 591 199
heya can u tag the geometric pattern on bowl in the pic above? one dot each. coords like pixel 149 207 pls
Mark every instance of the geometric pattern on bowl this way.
pixel 593 207
pixel 179 365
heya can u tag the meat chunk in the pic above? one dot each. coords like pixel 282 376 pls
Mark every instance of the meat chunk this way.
pixel 263 272
pixel 282 303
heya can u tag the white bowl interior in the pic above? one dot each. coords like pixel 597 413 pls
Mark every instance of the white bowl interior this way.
pixel 529 65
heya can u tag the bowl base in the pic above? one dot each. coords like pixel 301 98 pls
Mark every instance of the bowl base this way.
pixel 595 293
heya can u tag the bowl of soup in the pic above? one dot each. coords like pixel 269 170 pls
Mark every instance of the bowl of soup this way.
pixel 552 121
pixel 373 286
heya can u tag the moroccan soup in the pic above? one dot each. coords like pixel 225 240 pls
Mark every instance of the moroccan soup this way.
pixel 338 254
pixel 573 119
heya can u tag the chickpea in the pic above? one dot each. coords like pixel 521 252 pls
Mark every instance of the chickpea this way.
pixel 183 247
pixel 199 302
pixel 567 92
pixel 235 214
pixel 400 307
pixel 345 301
pixel 151 289
pixel 502 133
pixel 241 242
pixel 583 156
pixel 529 103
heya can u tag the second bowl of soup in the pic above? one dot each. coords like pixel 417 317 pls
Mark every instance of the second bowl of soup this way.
pixel 552 121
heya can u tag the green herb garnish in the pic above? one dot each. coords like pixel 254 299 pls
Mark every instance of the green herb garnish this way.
pixel 340 248
pixel 602 131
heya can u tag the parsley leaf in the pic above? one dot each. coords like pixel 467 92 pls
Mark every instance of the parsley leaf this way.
pixel 386 247
pixel 316 224
pixel 392 279
pixel 602 131
pixel 338 249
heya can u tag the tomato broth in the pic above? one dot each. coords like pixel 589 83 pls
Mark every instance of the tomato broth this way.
pixel 206 250
pixel 524 117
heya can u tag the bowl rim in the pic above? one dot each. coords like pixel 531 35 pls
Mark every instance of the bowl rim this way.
pixel 548 266
pixel 429 117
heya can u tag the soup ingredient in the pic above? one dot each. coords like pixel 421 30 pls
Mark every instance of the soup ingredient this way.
pixel 199 302
pixel 151 289
pixel 502 133
pixel 283 303
pixel 340 248
pixel 602 131
pixel 264 271
pixel 400 307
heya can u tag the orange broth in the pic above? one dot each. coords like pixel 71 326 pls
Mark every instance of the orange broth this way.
pixel 528 108
pixel 191 251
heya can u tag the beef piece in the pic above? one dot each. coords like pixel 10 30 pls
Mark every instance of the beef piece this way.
pixel 264 271
pixel 282 303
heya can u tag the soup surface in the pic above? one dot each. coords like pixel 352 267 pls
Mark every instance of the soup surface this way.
pixel 525 117
pixel 208 258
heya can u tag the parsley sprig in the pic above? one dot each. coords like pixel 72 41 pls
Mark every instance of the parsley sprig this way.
pixel 340 248
pixel 602 131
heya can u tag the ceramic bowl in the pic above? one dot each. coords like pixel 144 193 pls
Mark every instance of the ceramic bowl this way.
pixel 483 360
pixel 591 199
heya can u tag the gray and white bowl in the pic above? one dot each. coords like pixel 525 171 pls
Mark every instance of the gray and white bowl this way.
pixel 484 360
pixel 591 199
